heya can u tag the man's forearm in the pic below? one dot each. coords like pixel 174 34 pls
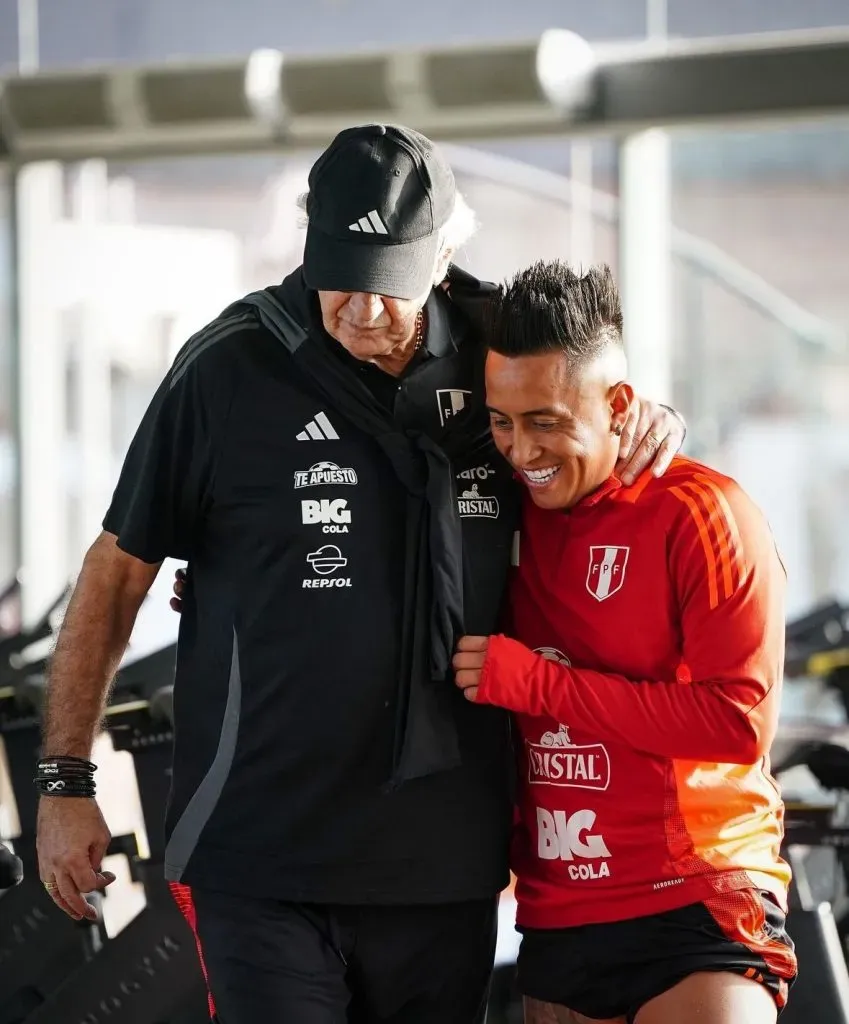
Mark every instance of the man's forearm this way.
pixel 728 721
pixel 90 645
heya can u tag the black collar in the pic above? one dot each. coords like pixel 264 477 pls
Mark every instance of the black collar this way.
pixel 444 325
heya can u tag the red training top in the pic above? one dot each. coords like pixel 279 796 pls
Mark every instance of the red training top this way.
pixel 646 678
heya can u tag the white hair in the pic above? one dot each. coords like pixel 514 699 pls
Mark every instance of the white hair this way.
pixel 455 232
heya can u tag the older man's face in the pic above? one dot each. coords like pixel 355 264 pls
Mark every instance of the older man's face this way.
pixel 369 326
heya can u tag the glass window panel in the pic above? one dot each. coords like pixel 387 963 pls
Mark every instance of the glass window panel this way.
pixel 761 357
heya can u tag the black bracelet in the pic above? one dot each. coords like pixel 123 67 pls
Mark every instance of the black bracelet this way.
pixel 64 761
pixel 65 787
pixel 65 776
pixel 54 771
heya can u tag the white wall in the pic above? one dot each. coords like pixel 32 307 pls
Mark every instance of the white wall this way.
pixel 104 294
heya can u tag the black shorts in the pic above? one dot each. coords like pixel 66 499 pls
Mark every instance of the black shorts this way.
pixel 265 960
pixel 606 971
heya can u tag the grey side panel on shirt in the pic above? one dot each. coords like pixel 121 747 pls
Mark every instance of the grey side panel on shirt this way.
pixel 199 809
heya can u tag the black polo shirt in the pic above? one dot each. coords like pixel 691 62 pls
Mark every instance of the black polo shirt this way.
pixel 288 658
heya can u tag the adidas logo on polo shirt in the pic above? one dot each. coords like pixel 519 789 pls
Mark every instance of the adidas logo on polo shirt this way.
pixel 319 428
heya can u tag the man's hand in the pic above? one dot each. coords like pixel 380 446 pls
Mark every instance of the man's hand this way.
pixel 652 436
pixel 468 664
pixel 72 842
pixel 72 835
pixel 176 601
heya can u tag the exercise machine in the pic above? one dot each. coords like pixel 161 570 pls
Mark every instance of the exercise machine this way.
pixel 817 646
pixel 817 831
pixel 11 868
pixel 149 972
pixel 505 1001
pixel 40 947
pixel 10 606
pixel 822 989
pixel 824 628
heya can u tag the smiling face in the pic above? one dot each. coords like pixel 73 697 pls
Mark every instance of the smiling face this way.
pixel 554 420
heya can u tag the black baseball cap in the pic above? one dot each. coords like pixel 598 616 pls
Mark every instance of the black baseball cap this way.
pixel 378 196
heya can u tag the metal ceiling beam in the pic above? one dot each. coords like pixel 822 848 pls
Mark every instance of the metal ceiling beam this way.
pixel 555 84
pixel 786 75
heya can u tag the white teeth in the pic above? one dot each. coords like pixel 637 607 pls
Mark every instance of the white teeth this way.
pixel 541 476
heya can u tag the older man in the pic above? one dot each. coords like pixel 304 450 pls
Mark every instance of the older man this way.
pixel 320 455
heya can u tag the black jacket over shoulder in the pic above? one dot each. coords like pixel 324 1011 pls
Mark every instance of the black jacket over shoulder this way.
pixel 342 527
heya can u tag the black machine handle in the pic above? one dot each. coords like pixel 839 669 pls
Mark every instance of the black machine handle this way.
pixel 817 646
pixel 829 764
pixel 11 868
pixel 10 645
pixel 818 622
pixel 12 589
pixel 126 845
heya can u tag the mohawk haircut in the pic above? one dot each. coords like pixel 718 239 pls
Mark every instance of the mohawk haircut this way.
pixel 550 308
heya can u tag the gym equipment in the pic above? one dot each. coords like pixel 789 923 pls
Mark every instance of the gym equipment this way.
pixel 149 972
pixel 9 603
pixel 11 868
pixel 40 946
pixel 505 1001
pixel 11 589
pixel 822 989
pixel 818 644
pixel 12 647
pixel 819 629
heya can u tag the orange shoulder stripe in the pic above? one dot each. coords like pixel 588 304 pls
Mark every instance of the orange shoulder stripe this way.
pixel 735 543
pixel 718 534
pixel 707 543
pixel 722 534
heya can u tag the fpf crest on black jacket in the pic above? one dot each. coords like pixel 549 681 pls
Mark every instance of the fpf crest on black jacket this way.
pixel 287 684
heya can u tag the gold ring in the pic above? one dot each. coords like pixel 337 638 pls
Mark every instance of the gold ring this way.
pixel 50 886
